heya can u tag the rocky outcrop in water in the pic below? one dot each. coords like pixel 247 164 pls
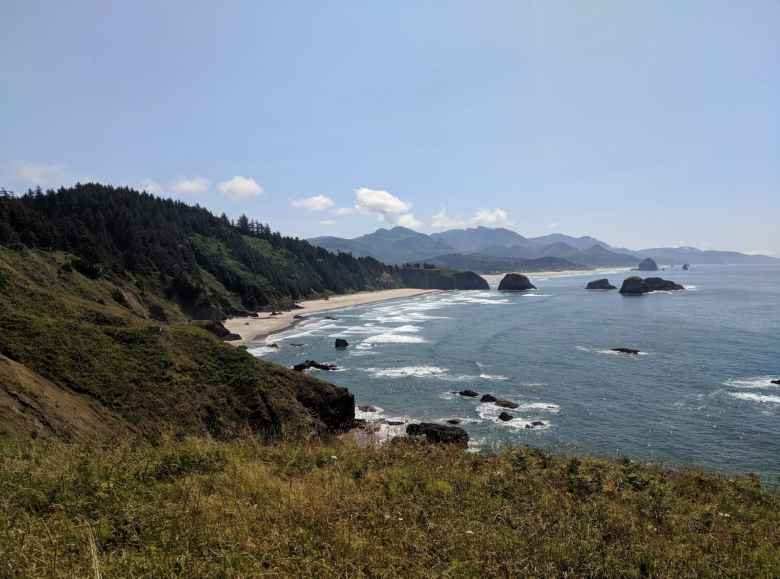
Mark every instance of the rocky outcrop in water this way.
pixel 488 398
pixel 314 364
pixel 341 343
pixel 657 284
pixel 626 350
pixel 535 424
pixel 777 382
pixel 600 284
pixel 367 408
pixel 506 404
pixel 505 417
pixel 515 282
pixel 686 266
pixel 648 264
pixel 635 285
pixel 468 393
pixel 439 433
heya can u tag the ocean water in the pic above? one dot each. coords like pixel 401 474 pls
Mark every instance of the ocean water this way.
pixel 699 393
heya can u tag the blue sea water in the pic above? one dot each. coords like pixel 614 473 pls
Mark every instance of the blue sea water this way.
pixel 700 392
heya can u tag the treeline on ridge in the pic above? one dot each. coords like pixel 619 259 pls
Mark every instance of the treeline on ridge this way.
pixel 210 266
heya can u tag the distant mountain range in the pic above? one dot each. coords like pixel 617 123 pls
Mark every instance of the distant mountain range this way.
pixel 485 250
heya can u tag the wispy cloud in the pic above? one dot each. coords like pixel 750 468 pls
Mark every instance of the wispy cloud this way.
pixel 240 188
pixel 442 220
pixel 489 218
pixel 40 174
pixel 150 186
pixel 191 186
pixel 314 203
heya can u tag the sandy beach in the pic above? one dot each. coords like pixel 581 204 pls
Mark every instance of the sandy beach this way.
pixel 257 329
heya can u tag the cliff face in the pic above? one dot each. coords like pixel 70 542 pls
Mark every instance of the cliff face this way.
pixel 442 279
pixel 83 359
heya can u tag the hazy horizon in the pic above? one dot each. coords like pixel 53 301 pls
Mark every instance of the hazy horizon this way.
pixel 652 125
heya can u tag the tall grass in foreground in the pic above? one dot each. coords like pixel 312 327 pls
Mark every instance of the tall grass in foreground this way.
pixel 200 508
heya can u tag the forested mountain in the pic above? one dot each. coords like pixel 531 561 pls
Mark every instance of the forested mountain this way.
pixel 207 265
pixel 475 239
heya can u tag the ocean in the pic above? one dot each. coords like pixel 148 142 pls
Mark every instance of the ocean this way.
pixel 699 393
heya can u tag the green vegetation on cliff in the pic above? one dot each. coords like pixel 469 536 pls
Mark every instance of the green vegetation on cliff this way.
pixel 202 508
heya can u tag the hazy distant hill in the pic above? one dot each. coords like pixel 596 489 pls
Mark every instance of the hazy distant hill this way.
pixel 399 245
pixel 395 246
pixel 478 238
pixel 481 263
pixel 680 255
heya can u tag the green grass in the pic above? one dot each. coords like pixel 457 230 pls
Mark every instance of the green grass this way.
pixel 200 508
pixel 96 338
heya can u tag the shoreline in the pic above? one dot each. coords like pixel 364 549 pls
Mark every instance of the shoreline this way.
pixel 258 329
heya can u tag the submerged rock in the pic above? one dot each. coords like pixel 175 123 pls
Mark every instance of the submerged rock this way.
pixel 775 382
pixel 488 398
pixel 505 416
pixel 648 264
pixel 506 404
pixel 600 284
pixel 626 350
pixel 367 408
pixel 469 393
pixel 515 282
pixel 341 343
pixel 534 424
pixel 439 433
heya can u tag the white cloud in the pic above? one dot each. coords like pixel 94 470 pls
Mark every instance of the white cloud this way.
pixel 492 218
pixel 327 222
pixel 240 188
pixel 40 173
pixel 150 186
pixel 381 203
pixel 410 221
pixel 314 203
pixel 191 186
pixel 443 221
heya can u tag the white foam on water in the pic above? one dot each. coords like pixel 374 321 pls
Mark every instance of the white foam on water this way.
pixel 490 412
pixel 493 377
pixel 609 352
pixel 539 407
pixel 407 371
pixel 756 382
pixel 392 338
pixel 261 351
pixel 532 295
pixel 690 287
pixel 448 395
pixel 752 397
pixel 369 416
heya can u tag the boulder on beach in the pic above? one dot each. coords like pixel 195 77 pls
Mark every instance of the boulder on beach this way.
pixel 341 343
pixel 506 404
pixel 515 282
pixel 439 433
pixel 488 398
pixel 505 416
pixel 469 393
pixel 626 350
pixel 648 264
pixel 600 284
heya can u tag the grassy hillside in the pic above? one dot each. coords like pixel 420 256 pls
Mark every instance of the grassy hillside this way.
pixel 94 344
pixel 200 508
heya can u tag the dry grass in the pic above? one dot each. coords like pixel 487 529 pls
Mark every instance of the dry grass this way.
pixel 199 508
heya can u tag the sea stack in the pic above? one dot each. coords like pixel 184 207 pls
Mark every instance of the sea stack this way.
pixel 635 285
pixel 648 264
pixel 600 284
pixel 515 282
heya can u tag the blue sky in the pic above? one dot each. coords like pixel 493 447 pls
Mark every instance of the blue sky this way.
pixel 644 124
